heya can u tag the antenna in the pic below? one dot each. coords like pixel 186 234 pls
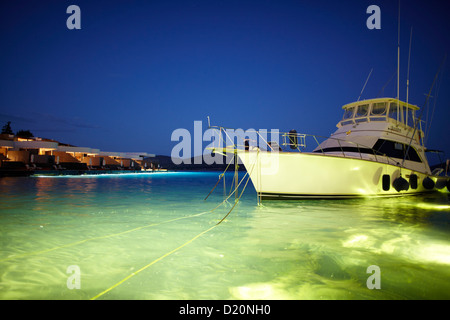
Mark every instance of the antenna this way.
pixel 409 59
pixel 365 84
pixel 429 95
pixel 390 79
pixel 417 122
pixel 398 54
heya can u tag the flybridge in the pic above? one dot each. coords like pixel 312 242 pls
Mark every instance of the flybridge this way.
pixel 382 109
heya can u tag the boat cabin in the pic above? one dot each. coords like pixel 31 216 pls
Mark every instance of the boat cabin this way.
pixel 399 117
pixel 383 109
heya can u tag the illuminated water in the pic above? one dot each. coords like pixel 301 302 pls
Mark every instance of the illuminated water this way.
pixel 113 226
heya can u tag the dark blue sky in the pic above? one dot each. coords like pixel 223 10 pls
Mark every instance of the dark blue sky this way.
pixel 138 70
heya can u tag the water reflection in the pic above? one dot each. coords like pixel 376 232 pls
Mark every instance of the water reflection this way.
pixel 309 249
pixel 321 249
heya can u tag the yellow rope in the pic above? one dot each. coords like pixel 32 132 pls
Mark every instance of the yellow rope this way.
pixel 235 202
pixel 101 237
pixel 152 263
pixel 178 248
pixel 115 234
pixel 143 227
pixel 220 177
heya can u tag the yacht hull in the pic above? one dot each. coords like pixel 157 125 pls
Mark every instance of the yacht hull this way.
pixel 289 175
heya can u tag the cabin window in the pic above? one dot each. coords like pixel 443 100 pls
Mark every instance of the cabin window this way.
pixel 393 111
pixel 362 110
pixel 348 113
pixel 387 148
pixel 378 109
pixel 396 150
pixel 398 146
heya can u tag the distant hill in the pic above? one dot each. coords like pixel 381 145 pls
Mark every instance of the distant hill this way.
pixel 196 164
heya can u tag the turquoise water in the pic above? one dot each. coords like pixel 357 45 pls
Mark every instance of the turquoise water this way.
pixel 152 236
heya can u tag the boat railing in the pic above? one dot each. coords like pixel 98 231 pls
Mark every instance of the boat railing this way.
pixel 300 142
pixel 346 148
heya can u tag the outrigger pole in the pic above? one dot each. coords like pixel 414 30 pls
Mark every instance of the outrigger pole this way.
pixel 398 58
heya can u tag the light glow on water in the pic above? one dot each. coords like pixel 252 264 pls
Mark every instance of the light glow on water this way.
pixel 151 236
pixel 429 206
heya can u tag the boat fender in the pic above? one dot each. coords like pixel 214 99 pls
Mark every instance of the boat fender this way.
pixel 386 182
pixel 428 183
pixel 400 184
pixel 246 144
pixel 413 181
pixel 293 142
pixel 440 183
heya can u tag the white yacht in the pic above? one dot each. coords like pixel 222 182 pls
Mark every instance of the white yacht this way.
pixel 377 150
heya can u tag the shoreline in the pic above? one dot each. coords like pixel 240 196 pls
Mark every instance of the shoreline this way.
pixel 62 172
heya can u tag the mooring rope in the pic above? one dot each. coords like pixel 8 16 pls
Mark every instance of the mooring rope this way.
pixel 102 237
pixel 114 234
pixel 220 178
pixel 152 263
pixel 148 226
pixel 239 198
pixel 181 246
